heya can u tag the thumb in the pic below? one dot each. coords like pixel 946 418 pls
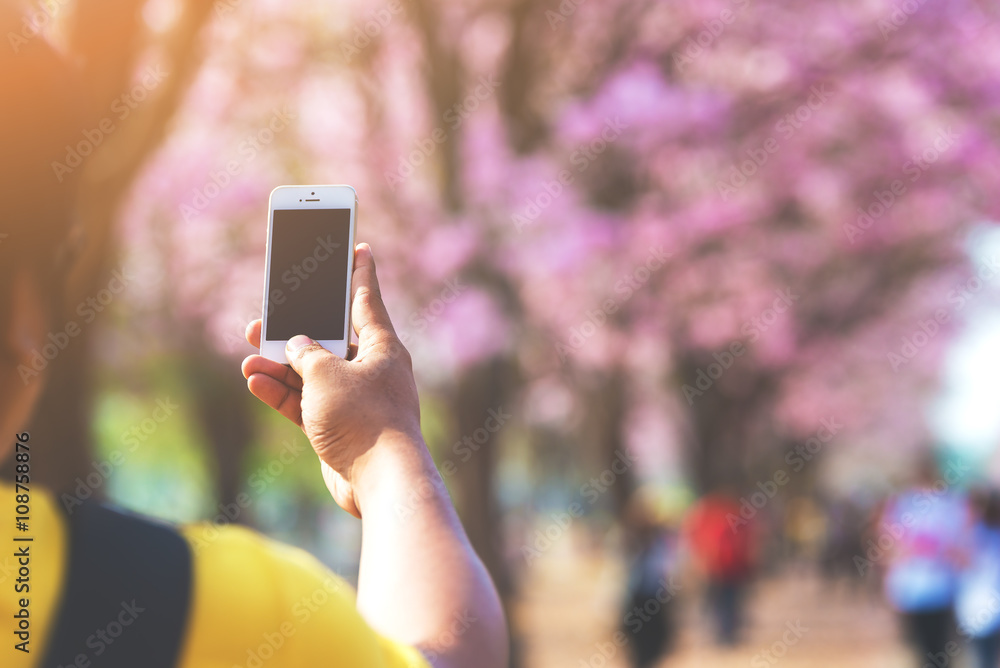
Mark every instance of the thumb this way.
pixel 368 312
pixel 305 355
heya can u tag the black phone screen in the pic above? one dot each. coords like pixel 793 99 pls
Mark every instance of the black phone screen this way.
pixel 308 274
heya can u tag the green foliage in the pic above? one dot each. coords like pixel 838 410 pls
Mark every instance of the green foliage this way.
pixel 148 455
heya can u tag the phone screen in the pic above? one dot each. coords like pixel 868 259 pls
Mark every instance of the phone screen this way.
pixel 308 273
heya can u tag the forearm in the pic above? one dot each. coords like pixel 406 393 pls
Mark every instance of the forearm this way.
pixel 420 581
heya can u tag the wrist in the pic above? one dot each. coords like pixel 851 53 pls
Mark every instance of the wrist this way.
pixel 396 468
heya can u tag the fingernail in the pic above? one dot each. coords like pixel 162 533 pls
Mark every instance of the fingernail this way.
pixel 298 341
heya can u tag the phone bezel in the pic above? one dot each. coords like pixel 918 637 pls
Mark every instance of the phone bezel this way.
pixel 294 197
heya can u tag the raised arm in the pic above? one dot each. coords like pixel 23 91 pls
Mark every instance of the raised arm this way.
pixel 420 581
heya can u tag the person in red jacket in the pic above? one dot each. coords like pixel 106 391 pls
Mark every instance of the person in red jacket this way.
pixel 721 541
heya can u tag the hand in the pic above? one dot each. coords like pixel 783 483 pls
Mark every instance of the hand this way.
pixel 353 411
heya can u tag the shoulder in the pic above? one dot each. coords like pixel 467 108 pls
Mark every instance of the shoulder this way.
pixel 239 572
pixel 255 598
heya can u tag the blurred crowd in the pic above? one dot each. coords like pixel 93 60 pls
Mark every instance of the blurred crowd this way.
pixel 930 550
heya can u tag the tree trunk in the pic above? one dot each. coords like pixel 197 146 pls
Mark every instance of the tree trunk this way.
pixel 60 429
pixel 484 388
pixel 102 37
pixel 730 420
pixel 603 431
pixel 223 409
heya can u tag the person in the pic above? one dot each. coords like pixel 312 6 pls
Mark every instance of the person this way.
pixel 722 542
pixel 844 528
pixel 648 618
pixel 804 528
pixel 96 586
pixel 924 530
pixel 977 603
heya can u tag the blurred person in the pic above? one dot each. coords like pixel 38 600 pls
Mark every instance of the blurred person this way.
pixel 922 534
pixel 202 595
pixel 722 543
pixel 977 604
pixel 844 531
pixel 650 602
pixel 871 575
pixel 804 530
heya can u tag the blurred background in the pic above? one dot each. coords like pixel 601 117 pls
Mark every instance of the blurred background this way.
pixel 702 297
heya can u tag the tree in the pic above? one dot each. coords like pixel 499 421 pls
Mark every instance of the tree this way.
pixel 744 217
pixel 121 112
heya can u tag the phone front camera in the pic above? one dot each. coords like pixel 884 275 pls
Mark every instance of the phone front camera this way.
pixel 312 193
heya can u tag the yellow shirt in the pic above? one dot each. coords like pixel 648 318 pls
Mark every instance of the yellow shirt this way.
pixel 254 602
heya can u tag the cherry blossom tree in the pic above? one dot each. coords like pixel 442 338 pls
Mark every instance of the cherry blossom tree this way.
pixel 705 231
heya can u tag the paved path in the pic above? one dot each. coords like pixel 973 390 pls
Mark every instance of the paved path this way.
pixel 572 604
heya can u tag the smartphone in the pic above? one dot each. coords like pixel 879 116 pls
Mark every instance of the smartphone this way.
pixel 307 275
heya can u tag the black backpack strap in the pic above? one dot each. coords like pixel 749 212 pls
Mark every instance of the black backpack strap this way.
pixel 126 592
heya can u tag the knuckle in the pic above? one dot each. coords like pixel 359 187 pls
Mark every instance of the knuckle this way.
pixel 311 362
pixel 367 295
pixel 367 330
pixel 395 352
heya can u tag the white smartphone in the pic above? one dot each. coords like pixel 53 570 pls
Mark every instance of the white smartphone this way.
pixel 307 275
